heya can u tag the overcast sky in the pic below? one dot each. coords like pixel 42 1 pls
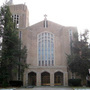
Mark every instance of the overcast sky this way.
pixel 64 12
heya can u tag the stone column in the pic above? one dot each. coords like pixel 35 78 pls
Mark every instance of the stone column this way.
pixel 25 79
pixel 65 78
pixel 52 79
pixel 38 79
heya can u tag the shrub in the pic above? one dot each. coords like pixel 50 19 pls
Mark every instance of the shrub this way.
pixel 74 82
pixel 16 83
pixel 5 84
pixel 88 83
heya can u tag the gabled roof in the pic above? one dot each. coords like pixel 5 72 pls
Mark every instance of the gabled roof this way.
pixel 51 25
pixel 41 24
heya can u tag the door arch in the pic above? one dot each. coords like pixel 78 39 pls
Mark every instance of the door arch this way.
pixel 32 79
pixel 58 78
pixel 45 78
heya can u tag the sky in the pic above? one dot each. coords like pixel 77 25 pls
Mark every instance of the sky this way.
pixel 64 12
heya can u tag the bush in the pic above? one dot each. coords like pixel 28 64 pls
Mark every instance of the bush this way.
pixel 16 83
pixel 5 84
pixel 74 82
pixel 0 82
pixel 88 83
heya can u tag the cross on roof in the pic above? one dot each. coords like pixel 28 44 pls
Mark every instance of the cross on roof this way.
pixel 45 16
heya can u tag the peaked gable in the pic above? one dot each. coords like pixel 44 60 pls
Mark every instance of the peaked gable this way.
pixel 50 24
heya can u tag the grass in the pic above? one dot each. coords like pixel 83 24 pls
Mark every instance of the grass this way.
pixel 81 88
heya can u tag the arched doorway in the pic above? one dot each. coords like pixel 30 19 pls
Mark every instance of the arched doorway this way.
pixel 58 78
pixel 32 79
pixel 45 78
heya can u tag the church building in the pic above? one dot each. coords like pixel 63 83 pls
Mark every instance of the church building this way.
pixel 47 45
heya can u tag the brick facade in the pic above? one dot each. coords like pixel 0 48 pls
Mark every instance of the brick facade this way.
pixel 61 48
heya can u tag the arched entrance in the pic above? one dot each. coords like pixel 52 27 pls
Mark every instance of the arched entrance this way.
pixel 45 78
pixel 58 78
pixel 32 79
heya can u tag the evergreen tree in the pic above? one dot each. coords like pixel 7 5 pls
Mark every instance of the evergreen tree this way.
pixel 13 54
pixel 79 60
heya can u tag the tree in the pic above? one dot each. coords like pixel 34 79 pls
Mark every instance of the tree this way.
pixel 79 60
pixel 13 53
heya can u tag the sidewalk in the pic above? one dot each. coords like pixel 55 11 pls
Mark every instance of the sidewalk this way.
pixel 46 88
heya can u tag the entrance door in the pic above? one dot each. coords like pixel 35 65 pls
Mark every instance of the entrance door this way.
pixel 32 79
pixel 45 78
pixel 58 78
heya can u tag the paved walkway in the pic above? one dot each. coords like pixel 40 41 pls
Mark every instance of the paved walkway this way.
pixel 47 88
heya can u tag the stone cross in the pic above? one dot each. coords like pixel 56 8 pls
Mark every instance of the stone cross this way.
pixel 45 16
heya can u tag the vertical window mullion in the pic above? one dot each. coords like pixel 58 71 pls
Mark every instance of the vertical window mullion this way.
pixel 44 47
pixel 50 52
pixel 41 50
pixel 47 49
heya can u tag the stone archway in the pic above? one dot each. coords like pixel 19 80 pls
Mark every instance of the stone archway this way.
pixel 45 78
pixel 32 79
pixel 58 78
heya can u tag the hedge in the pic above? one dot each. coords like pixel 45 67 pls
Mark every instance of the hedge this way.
pixel 74 82
pixel 16 83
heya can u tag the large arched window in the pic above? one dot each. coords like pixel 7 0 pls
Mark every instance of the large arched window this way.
pixel 45 49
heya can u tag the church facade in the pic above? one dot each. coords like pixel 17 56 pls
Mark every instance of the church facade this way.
pixel 47 45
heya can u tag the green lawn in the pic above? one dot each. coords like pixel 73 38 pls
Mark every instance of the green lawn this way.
pixel 81 88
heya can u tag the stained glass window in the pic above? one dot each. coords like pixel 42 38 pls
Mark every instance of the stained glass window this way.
pixel 45 49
